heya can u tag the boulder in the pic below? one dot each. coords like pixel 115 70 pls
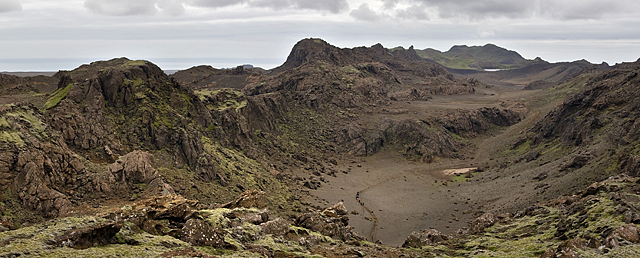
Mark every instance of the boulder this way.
pixel 157 187
pixel 248 199
pixel 276 227
pixel 479 224
pixel 84 238
pixel 199 233
pixel 424 237
pixel 334 227
pixel 134 168
pixel 569 248
pixel 337 209
pixel 623 235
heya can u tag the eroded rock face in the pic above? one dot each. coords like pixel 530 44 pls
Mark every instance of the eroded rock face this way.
pixel 116 106
pixel 34 163
pixel 133 168
pixel 424 237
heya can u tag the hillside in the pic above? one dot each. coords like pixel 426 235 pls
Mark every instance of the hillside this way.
pixel 488 56
pixel 337 152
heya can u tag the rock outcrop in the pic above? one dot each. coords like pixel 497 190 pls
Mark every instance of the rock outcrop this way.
pixel 134 168
pixel 84 238
pixel 329 223
pixel 34 164
pixel 424 237
pixel 248 199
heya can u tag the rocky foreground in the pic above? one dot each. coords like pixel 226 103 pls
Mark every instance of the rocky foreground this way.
pixel 597 222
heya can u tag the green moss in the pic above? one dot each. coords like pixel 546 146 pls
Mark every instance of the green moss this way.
pixel 237 244
pixel 230 99
pixel 12 137
pixel 276 244
pixel 57 96
pixel 4 124
pixel 140 95
pixel 237 168
pixel 133 63
pixel 135 83
pixel 463 177
pixel 612 169
pixel 217 217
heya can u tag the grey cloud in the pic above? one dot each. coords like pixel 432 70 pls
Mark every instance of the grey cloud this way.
pixel 586 9
pixel 365 13
pixel 478 9
pixel 390 4
pixel 10 6
pixel 559 9
pixel 334 6
pixel 414 12
pixel 216 3
pixel 171 7
pixel 122 7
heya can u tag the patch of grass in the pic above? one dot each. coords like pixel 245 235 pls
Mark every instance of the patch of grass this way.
pixel 133 63
pixel 57 96
pixel 12 137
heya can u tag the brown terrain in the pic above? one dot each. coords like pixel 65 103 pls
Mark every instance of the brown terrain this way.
pixel 338 152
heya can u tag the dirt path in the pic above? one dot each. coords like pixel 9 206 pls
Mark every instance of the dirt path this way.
pixel 373 235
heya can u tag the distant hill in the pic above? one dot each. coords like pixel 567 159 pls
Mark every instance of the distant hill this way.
pixel 504 68
pixel 488 56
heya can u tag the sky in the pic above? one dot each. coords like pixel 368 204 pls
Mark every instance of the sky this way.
pixel 39 35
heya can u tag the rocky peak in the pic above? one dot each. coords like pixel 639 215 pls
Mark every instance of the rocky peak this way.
pixel 317 50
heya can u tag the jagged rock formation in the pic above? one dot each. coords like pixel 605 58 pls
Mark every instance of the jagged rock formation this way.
pixel 114 91
pixel 34 164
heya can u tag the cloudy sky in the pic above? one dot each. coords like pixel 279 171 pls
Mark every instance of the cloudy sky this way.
pixel 177 34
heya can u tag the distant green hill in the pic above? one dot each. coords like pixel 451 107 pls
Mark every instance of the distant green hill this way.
pixel 488 56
